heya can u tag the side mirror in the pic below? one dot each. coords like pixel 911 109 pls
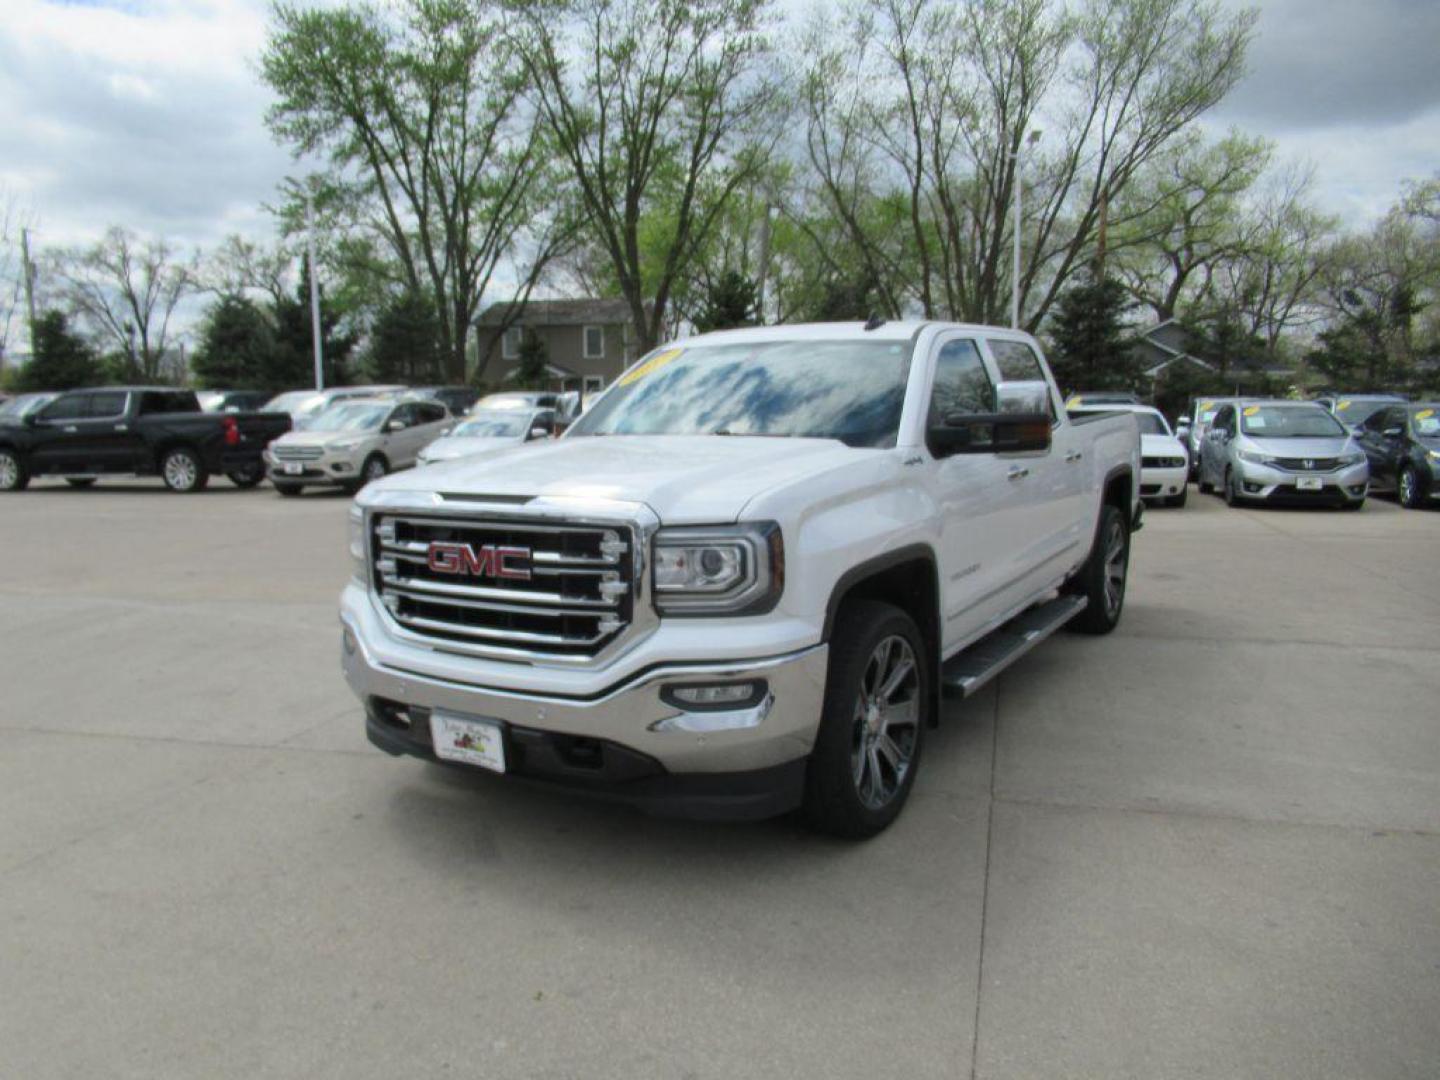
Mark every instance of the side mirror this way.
pixel 395 425
pixel 538 433
pixel 30 419
pixel 990 433
pixel 1393 432
pixel 1023 398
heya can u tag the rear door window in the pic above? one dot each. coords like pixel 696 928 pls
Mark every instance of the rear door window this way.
pixel 106 405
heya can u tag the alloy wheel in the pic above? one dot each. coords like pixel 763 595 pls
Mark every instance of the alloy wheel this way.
pixel 1117 564
pixel 375 470
pixel 179 471
pixel 9 472
pixel 887 722
pixel 1407 487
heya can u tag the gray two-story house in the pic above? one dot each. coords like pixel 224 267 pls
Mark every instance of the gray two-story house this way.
pixel 587 342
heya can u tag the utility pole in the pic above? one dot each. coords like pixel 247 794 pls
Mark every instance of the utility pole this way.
pixel 765 219
pixel 1031 140
pixel 314 292
pixel 28 269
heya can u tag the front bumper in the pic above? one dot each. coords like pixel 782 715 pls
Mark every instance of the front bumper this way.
pixel 330 468
pixel 1263 483
pixel 623 742
pixel 1163 483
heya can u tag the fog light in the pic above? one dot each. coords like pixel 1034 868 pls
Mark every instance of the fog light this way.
pixel 1252 488
pixel 713 695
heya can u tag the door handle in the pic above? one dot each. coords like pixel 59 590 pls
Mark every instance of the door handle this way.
pixel 70 429
pixel 122 427
pixel 1073 456
pixel 1017 472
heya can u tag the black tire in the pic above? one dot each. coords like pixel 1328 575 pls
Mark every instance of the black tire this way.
pixel 1232 496
pixel 839 797
pixel 1179 500
pixel 375 468
pixel 247 478
pixel 1204 488
pixel 1356 505
pixel 1094 581
pixel 80 481
pixel 288 490
pixel 13 474
pixel 1408 492
pixel 182 470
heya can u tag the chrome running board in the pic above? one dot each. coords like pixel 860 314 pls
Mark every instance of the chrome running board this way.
pixel 967 671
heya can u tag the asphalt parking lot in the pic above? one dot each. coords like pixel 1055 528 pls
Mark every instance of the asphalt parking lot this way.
pixel 1206 846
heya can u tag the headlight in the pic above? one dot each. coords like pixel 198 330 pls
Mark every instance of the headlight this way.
pixel 347 446
pixel 1355 457
pixel 719 570
pixel 1254 458
pixel 357 543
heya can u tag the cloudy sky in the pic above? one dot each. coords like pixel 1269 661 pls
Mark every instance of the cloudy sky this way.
pixel 149 112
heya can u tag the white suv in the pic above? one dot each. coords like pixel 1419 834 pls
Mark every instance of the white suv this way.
pixel 354 443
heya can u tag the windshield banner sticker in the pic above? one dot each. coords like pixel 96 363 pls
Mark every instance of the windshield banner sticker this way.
pixel 655 363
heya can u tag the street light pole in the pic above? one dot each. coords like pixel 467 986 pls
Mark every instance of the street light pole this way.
pixel 1030 140
pixel 314 292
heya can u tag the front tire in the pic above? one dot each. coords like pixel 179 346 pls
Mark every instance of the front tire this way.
pixel 1407 489
pixel 1232 494
pixel 877 696
pixel 288 490
pixel 1102 579
pixel 375 468
pixel 13 474
pixel 182 470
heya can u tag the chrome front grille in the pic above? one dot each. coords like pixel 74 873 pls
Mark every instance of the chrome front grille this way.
pixel 1326 464
pixel 296 453
pixel 505 587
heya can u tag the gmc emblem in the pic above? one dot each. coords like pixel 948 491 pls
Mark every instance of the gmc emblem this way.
pixel 488 560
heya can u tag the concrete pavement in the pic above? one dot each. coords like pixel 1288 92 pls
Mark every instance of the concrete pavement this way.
pixel 1205 846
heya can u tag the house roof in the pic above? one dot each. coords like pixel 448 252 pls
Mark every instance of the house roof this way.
pixel 559 313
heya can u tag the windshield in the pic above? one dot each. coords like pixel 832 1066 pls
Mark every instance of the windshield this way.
pixel 494 425
pixel 1426 422
pixel 351 418
pixel 1150 424
pixel 515 401
pixel 287 401
pixel 1357 412
pixel 25 404
pixel 846 390
pixel 1289 422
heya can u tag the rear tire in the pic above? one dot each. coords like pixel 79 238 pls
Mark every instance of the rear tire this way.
pixel 182 470
pixel 1102 579
pixel 80 481
pixel 13 474
pixel 247 478
pixel 877 698
pixel 288 490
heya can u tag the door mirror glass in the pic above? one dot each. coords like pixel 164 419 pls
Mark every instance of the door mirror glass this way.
pixel 1027 398
pixel 538 433
pixel 395 425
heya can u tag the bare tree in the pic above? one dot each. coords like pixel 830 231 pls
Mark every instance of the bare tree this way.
pixel 240 266
pixel 124 290
pixel 657 107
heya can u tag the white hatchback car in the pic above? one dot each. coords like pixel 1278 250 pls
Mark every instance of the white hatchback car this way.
pixel 355 442
pixel 488 431
pixel 1164 459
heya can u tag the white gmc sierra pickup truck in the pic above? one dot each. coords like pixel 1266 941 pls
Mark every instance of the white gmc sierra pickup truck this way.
pixel 742 582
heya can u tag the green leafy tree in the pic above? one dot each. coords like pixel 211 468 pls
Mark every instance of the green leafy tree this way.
pixel 237 347
pixel 418 106
pixel 293 362
pixel 61 359
pixel 659 109
pixel 404 343
pixel 731 301
pixel 1090 344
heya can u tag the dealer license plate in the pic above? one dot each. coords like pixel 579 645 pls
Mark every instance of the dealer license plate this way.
pixel 1309 483
pixel 464 738
pixel 293 468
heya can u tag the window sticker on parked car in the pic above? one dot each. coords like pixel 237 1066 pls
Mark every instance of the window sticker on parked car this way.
pixel 1427 423
pixel 1341 406
pixel 1252 410
pixel 655 363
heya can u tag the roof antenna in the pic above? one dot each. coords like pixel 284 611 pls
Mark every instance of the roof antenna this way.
pixel 874 322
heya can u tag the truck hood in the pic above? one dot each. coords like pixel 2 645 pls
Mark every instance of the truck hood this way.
pixel 685 479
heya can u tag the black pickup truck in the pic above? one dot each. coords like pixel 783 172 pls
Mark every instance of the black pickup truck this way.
pixel 136 431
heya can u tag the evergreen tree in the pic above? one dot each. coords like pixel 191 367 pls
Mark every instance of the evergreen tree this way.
pixel 293 362
pixel 731 301
pixel 1090 346
pixel 403 343
pixel 62 360
pixel 532 371
pixel 237 347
